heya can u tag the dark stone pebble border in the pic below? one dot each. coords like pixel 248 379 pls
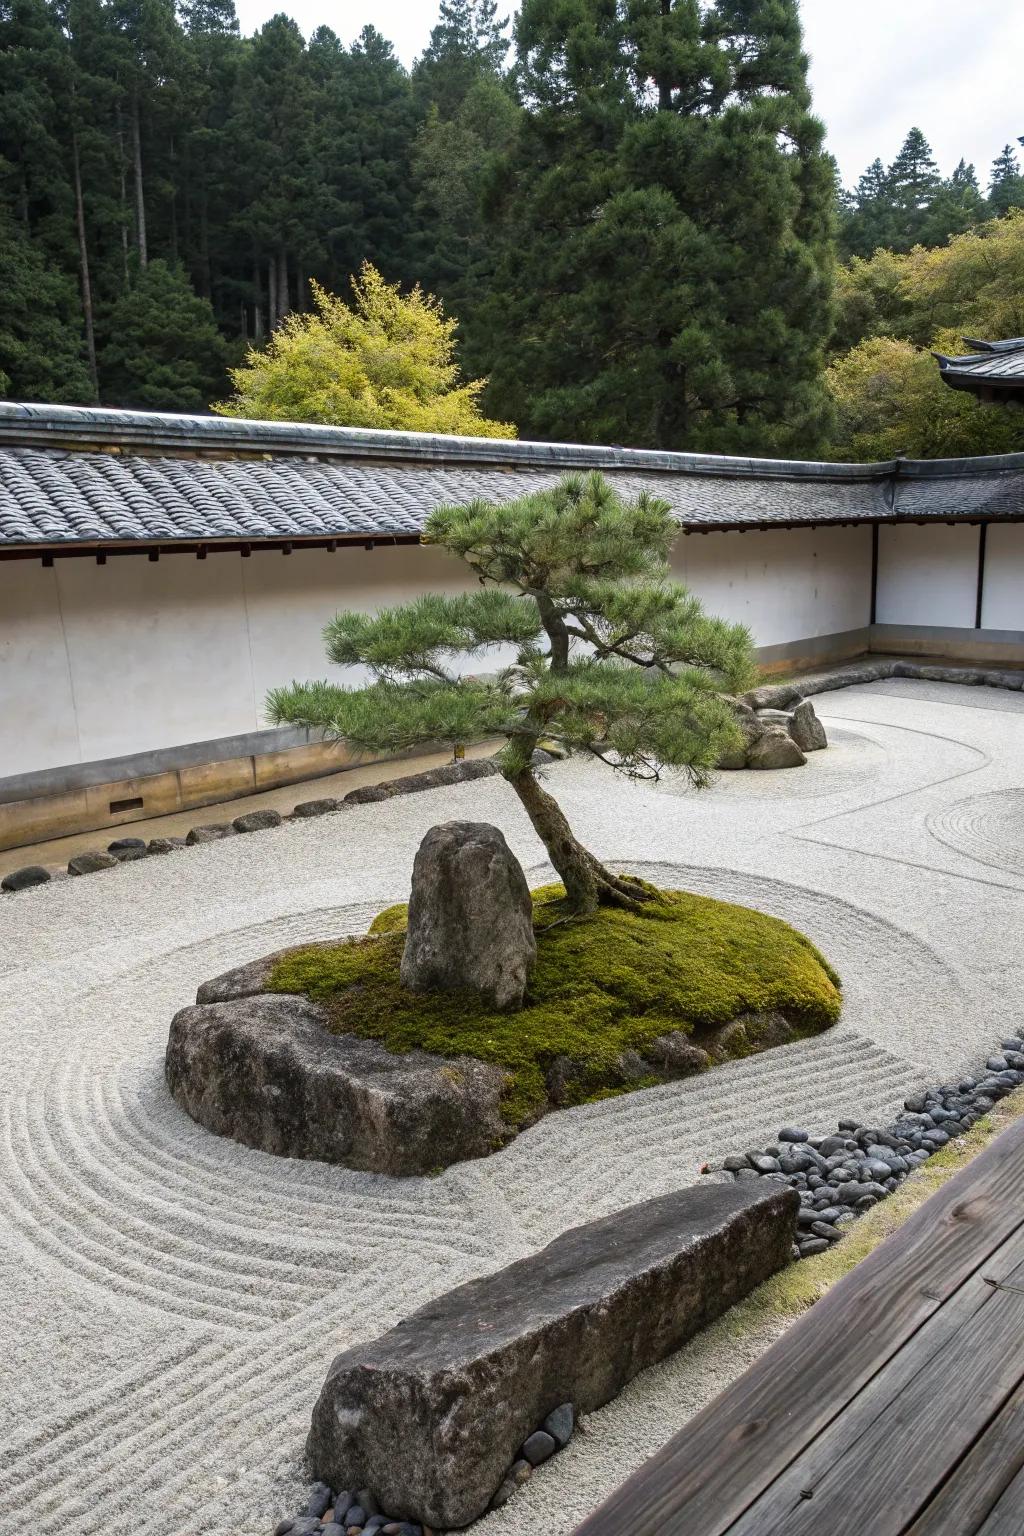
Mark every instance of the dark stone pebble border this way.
pixel 839 1177
pixel 124 850
pixel 327 1513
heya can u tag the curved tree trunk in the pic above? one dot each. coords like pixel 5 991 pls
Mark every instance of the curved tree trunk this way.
pixel 588 884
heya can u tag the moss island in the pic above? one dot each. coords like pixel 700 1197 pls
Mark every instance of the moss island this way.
pixel 606 988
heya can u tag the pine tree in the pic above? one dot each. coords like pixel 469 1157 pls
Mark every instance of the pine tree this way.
pixel 41 339
pixel 614 660
pixel 868 219
pixel 1006 186
pixel 164 351
pixel 665 216
pixel 914 181
pixel 956 207
pixel 469 42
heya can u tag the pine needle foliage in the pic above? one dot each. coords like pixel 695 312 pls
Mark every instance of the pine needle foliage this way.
pixel 612 659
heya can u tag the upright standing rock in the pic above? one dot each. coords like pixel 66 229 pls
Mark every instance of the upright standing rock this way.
pixel 806 729
pixel 470 916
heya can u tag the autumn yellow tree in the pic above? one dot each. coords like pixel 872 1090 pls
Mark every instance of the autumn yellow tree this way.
pixel 385 360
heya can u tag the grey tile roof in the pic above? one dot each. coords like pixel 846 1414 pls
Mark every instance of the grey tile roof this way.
pixel 71 477
pixel 59 497
pixel 993 364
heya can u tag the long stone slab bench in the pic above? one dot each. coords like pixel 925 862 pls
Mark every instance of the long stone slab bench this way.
pixel 429 1416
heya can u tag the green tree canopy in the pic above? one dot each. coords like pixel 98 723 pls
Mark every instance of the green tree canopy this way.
pixel 890 399
pixel 388 360
pixel 165 352
pixel 664 223
pixel 613 660
pixel 41 352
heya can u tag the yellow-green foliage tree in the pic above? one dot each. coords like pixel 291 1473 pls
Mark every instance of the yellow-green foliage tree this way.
pixel 887 389
pixel 386 360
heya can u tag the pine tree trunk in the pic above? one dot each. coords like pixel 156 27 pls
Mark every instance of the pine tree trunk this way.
pixel 83 258
pixel 588 884
pixel 257 308
pixel 271 292
pixel 140 195
pixel 282 284
pixel 300 288
pixel 124 202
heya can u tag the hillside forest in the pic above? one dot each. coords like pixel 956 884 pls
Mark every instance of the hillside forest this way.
pixel 626 212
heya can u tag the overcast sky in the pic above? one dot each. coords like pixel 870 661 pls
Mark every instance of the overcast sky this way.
pixel 877 67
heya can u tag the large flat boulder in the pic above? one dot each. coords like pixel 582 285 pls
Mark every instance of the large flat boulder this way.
pixel 267 1071
pixel 470 916
pixel 430 1416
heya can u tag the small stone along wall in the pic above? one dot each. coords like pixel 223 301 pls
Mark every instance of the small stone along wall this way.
pixel 124 850
pixel 839 1177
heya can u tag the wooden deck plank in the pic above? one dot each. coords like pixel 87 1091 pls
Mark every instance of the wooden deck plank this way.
pixel 1007 1519
pixel 704 1479
pixel 976 1485
pixel 876 1467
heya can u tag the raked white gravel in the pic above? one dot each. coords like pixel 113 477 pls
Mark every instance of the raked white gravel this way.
pixel 169 1302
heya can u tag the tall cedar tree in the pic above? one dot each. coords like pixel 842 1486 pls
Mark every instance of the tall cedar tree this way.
pixel 1006 189
pixel 666 218
pixel 613 660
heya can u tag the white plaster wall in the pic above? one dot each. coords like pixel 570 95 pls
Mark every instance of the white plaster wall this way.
pixel 158 649
pixel 783 583
pixel 38 728
pixel 290 598
pixel 928 574
pixel 1003 603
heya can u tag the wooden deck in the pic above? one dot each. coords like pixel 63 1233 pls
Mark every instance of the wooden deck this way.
pixel 894 1407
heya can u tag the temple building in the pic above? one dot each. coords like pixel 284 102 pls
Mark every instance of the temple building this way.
pixel 994 371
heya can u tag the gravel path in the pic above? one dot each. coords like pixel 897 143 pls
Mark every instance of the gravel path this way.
pixel 169 1302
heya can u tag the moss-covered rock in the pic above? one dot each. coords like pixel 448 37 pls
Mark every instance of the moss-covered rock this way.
pixel 615 999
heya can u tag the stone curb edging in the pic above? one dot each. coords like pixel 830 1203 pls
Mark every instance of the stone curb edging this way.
pixel 124 850
pixel 785 695
pixel 840 1177
pixel 327 1513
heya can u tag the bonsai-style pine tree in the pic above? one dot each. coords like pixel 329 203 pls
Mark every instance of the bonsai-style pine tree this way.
pixel 612 658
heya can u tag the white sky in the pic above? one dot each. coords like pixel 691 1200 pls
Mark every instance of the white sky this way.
pixel 877 67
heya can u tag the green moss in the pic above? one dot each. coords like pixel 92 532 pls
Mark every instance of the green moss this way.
pixel 603 985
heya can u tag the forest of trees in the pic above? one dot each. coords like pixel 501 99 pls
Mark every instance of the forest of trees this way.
pixel 629 208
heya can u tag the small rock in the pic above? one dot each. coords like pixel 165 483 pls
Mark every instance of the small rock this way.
pixel 825 1230
pixel 284 1527
pixel 22 879
pixel 211 832
pixel 125 849
pixel 355 1516
pixel 763 1164
pixel 315 807
pixel 775 749
pixel 257 821
pixel 813 1245
pixel 319 1500
pixel 789 1133
pixel 91 863
pixel 164 844
pixel 560 1424
pixel 539 1447
pixel 734 1162
pixel 521 1472
pixel 332 1528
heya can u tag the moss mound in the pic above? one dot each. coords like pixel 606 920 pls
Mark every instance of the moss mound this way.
pixel 605 987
